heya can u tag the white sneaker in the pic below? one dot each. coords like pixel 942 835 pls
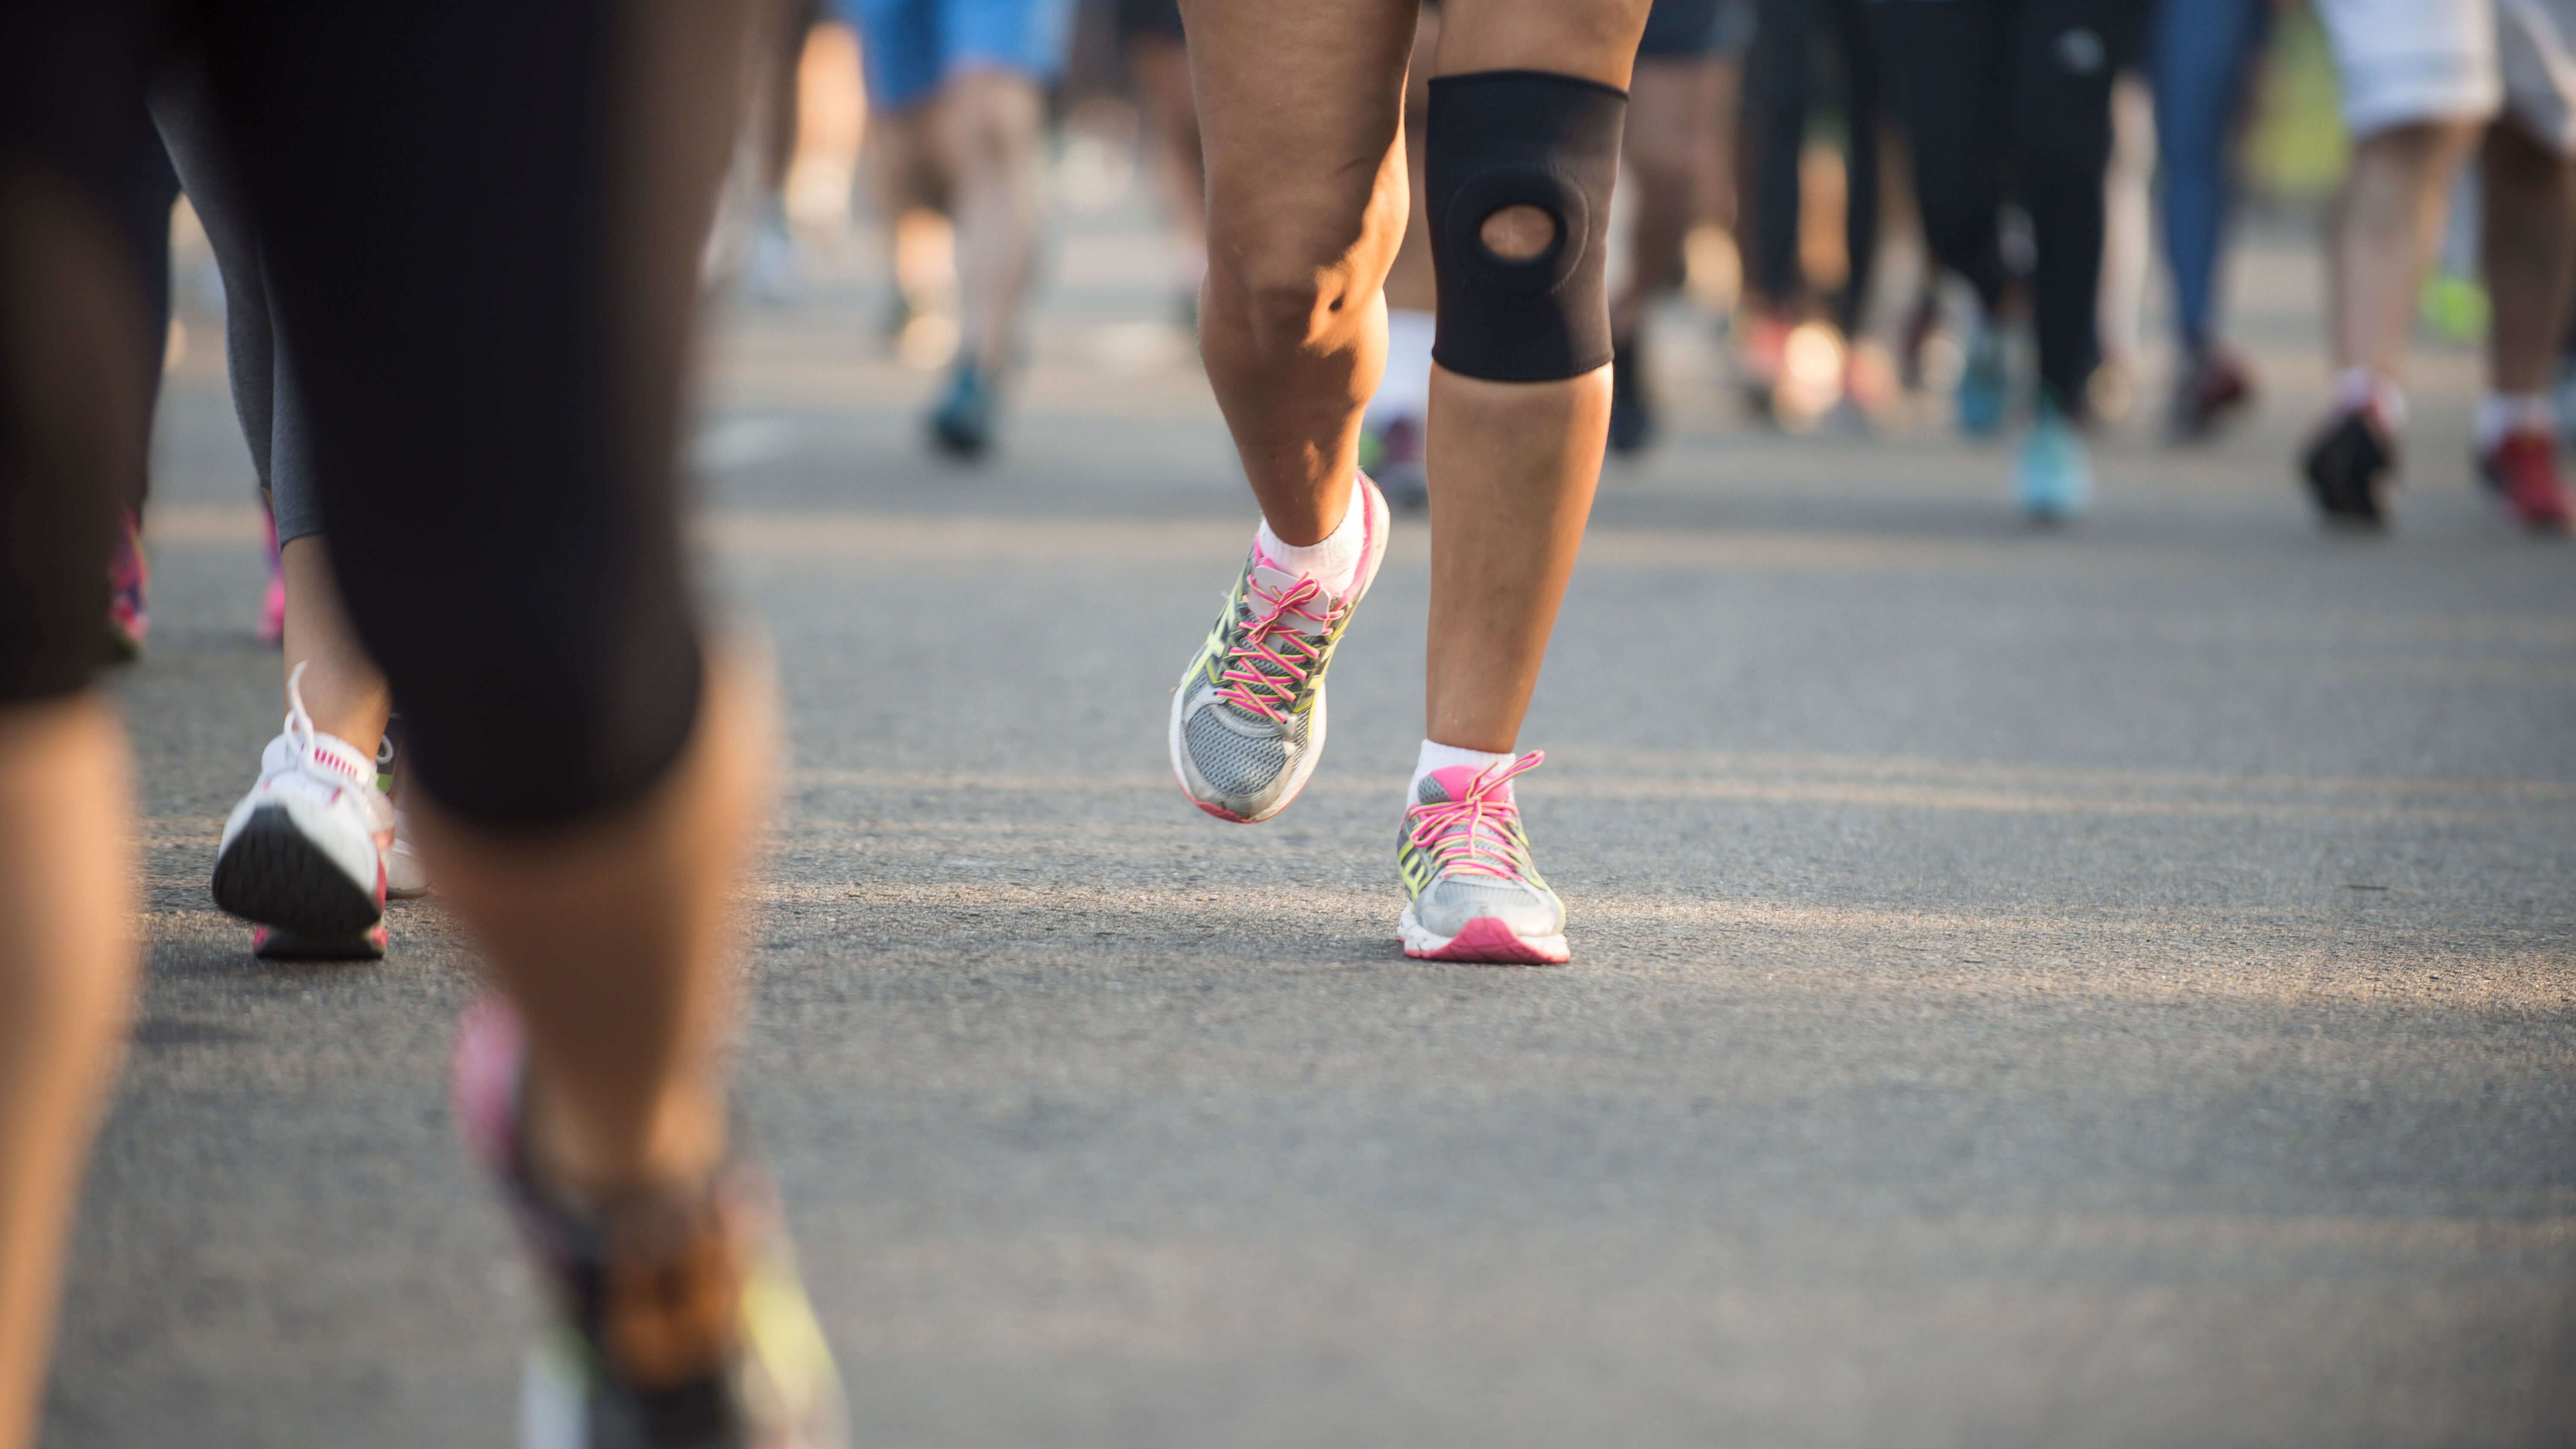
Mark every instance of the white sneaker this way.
pixel 303 854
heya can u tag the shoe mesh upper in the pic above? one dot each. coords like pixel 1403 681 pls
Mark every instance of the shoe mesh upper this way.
pixel 1238 764
pixel 1238 753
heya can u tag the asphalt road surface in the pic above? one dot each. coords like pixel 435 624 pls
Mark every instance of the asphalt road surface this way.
pixel 2115 987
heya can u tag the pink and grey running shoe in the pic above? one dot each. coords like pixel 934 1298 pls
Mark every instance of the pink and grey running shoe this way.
pixel 1476 894
pixel 1248 715
pixel 677 1317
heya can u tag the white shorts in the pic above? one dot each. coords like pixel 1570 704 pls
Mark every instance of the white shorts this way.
pixel 2405 61
pixel 2536 49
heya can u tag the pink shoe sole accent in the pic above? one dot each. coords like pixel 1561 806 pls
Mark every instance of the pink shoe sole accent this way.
pixel 483 1079
pixel 1488 941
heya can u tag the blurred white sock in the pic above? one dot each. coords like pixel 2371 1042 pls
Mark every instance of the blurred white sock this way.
pixel 2503 413
pixel 2357 388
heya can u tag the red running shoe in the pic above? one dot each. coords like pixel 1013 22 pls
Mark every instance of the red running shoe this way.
pixel 2522 473
pixel 2214 390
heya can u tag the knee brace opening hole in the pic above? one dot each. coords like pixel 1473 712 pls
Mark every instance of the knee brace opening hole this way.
pixel 1517 233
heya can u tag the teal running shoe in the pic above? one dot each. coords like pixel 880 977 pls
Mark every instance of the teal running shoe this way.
pixel 962 424
pixel 1984 385
pixel 2053 477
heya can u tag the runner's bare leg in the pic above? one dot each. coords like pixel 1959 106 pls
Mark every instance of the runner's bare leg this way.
pixel 1300 108
pixel 1513 464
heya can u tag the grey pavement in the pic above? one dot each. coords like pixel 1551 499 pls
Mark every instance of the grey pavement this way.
pixel 2107 988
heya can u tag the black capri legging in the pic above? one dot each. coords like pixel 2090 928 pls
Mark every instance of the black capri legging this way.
pixel 480 222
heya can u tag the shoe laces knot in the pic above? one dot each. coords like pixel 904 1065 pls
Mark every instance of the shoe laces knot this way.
pixel 299 723
pixel 317 759
pixel 1269 636
pixel 1475 834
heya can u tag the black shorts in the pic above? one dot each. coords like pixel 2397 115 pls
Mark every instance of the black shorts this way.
pixel 1691 29
pixel 484 287
pixel 1160 18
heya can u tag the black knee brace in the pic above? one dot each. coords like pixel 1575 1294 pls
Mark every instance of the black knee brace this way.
pixel 1522 138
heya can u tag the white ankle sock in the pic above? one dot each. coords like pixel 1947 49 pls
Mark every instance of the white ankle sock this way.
pixel 1404 391
pixel 2502 413
pixel 1333 563
pixel 2359 387
pixel 1437 756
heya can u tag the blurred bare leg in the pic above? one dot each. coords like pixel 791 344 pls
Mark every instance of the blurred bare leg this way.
pixel 1662 161
pixel 614 939
pixel 903 173
pixel 1161 66
pixel 2383 226
pixel 66 975
pixel 2527 246
pixel 989 124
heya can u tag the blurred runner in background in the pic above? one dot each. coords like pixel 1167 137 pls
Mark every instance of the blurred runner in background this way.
pixel 1796 43
pixel 2013 98
pixel 2424 82
pixel 1158 62
pixel 771 271
pixel 1394 426
pixel 958 92
pixel 151 190
pixel 1680 112
pixel 2201 58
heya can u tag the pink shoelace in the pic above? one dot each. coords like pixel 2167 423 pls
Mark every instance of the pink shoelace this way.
pixel 1470 836
pixel 1295 653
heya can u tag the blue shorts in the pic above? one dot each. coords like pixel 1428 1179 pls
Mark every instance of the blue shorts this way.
pixel 909 47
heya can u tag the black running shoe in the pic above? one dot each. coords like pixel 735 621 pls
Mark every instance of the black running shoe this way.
pixel 277 943
pixel 2350 469
pixel 1632 416
pixel 2213 391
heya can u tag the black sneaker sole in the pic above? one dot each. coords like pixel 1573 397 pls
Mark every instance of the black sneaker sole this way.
pixel 366 945
pixel 272 875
